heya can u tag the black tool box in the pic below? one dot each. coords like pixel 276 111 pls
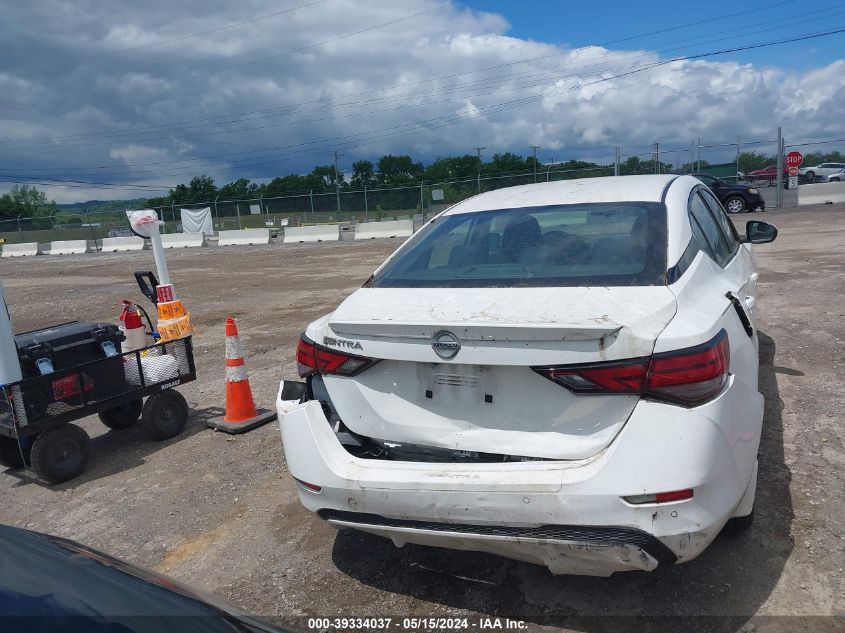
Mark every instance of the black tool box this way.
pixel 49 351
pixel 66 345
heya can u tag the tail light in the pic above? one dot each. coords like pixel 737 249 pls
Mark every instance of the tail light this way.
pixel 316 359
pixel 688 377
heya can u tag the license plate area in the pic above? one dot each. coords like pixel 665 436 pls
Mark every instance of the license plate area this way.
pixel 457 385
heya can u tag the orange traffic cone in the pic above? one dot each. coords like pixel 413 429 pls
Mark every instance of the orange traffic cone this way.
pixel 241 414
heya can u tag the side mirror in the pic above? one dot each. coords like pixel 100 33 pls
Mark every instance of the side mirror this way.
pixel 759 232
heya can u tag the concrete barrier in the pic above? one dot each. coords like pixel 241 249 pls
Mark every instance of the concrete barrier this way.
pixel 182 240
pixel 393 228
pixel 70 247
pixel 822 193
pixel 246 236
pixel 21 250
pixel 319 233
pixel 119 244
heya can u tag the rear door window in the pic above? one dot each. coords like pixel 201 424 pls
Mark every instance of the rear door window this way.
pixel 721 217
pixel 707 231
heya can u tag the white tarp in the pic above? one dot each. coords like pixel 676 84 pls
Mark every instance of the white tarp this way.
pixel 197 221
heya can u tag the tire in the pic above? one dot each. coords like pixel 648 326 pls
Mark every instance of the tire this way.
pixel 124 416
pixel 10 454
pixel 810 176
pixel 737 525
pixel 61 453
pixel 735 204
pixel 165 414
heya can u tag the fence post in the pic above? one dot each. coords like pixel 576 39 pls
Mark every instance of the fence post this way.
pixel 238 209
pixel 366 205
pixel 616 161
pixel 313 215
pixel 422 199
pixel 216 214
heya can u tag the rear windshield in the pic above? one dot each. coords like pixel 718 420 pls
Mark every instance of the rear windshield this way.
pixel 607 244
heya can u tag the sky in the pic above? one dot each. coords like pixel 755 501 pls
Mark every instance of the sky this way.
pixel 126 99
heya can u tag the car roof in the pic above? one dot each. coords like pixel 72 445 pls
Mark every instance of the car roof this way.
pixel 580 191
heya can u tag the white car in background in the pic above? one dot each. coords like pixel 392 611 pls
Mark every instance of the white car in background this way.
pixel 824 169
pixel 838 176
pixel 562 373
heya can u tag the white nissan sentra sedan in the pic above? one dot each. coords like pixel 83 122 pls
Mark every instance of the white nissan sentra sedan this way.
pixel 563 373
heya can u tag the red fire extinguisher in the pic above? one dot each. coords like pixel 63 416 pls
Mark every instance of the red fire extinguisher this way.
pixel 133 328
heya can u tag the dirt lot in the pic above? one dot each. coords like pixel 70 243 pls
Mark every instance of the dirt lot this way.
pixel 221 514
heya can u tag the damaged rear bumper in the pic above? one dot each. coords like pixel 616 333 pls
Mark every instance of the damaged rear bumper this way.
pixel 569 516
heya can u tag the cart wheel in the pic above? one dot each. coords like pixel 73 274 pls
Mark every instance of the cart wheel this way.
pixel 165 414
pixel 10 454
pixel 124 416
pixel 61 453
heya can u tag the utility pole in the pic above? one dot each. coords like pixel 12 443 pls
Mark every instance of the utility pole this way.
pixel 738 146
pixel 616 161
pixel 657 158
pixel 535 148
pixel 698 162
pixel 478 152
pixel 779 194
pixel 337 183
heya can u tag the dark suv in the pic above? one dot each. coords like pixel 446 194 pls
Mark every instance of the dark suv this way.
pixel 735 198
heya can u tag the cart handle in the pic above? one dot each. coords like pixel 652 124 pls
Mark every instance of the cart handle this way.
pixel 147 282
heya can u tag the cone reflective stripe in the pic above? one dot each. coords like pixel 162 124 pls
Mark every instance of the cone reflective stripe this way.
pixel 241 414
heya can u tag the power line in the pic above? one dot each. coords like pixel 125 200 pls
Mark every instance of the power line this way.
pixel 438 122
pixel 208 32
pixel 432 79
pixel 328 41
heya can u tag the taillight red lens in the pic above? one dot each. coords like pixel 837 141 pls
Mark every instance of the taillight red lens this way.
pixel 306 360
pixel 316 359
pixel 691 376
pixel 688 377
pixel 622 378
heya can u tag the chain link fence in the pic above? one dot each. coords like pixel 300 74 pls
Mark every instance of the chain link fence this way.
pixel 415 201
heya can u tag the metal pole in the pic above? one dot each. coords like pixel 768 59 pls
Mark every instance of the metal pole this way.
pixel 698 163
pixel 738 146
pixel 238 209
pixel 657 158
pixel 216 213
pixel 337 184
pixel 535 148
pixel 478 152
pixel 313 215
pixel 90 226
pixel 422 199
pixel 616 161
pixel 691 154
pixel 779 194
pixel 366 205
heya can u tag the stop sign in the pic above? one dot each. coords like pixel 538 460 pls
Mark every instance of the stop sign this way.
pixel 794 159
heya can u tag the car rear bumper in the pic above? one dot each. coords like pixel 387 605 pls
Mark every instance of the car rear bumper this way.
pixel 568 516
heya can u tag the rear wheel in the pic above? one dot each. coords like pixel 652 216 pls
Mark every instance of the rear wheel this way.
pixel 810 176
pixel 124 416
pixel 10 453
pixel 165 414
pixel 61 453
pixel 735 204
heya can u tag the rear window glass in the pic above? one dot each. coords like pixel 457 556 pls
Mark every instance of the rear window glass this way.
pixel 608 244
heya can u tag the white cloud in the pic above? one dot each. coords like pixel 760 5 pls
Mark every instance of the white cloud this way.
pixel 273 111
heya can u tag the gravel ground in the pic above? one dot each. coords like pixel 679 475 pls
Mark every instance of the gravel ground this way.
pixel 221 514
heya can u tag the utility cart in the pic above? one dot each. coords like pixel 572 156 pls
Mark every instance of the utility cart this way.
pixel 37 413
